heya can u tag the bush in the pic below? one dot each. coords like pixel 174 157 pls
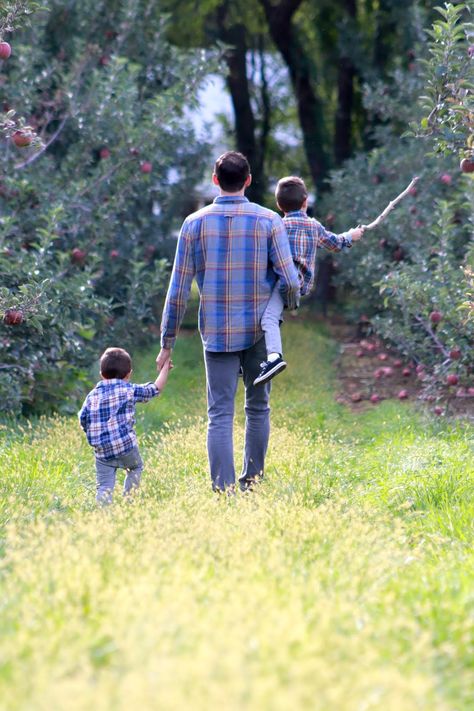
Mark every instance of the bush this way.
pixel 418 260
pixel 86 216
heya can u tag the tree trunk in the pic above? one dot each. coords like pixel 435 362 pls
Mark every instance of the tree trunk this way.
pixel 238 85
pixel 302 75
pixel 345 96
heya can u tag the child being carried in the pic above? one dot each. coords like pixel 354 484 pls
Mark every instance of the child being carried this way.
pixel 305 235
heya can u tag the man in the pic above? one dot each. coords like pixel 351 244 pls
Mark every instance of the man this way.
pixel 236 250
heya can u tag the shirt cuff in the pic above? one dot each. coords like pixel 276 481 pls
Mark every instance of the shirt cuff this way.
pixel 348 240
pixel 168 342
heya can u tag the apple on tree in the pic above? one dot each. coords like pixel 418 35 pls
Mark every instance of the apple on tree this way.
pixel 13 317
pixel 22 139
pixel 5 50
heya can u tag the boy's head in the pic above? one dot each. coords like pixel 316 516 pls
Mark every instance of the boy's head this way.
pixel 115 363
pixel 232 172
pixel 291 193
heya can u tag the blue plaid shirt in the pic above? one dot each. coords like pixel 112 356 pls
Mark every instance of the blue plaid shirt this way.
pixel 108 415
pixel 307 234
pixel 236 249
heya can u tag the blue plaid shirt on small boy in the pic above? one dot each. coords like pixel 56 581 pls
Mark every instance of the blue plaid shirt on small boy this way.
pixel 108 415
pixel 305 235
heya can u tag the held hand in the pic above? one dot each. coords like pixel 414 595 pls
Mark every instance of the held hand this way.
pixel 356 233
pixel 163 358
pixel 162 378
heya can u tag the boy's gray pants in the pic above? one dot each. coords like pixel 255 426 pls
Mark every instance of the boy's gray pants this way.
pixel 270 323
pixel 222 372
pixel 106 470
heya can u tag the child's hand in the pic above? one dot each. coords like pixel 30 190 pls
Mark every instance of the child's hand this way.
pixel 356 233
pixel 160 382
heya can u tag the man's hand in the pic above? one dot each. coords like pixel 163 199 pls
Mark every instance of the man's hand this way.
pixel 162 358
pixel 356 233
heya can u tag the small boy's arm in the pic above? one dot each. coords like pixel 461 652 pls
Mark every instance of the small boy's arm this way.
pixel 333 242
pixel 145 392
pixel 84 416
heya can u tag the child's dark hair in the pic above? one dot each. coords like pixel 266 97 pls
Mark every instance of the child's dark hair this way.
pixel 232 170
pixel 290 193
pixel 115 363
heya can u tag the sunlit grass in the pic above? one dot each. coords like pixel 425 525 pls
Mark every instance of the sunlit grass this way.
pixel 344 583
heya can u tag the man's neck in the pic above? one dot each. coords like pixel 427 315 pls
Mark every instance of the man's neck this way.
pixel 223 193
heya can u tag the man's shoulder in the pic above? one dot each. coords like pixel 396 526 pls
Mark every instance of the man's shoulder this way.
pixel 241 208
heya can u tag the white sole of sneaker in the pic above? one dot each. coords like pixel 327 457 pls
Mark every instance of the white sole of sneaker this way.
pixel 271 373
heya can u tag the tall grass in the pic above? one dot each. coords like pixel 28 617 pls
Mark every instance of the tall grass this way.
pixel 344 583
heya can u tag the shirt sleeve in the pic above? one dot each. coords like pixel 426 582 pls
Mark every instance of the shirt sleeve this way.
pixel 178 291
pixel 282 262
pixel 145 392
pixel 84 415
pixel 331 241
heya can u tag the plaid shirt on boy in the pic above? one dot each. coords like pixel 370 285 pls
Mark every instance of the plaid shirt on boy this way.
pixel 306 234
pixel 108 415
pixel 236 249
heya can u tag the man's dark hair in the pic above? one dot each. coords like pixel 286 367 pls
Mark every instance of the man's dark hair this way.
pixel 115 363
pixel 232 170
pixel 291 193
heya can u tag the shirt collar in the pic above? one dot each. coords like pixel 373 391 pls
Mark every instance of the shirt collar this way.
pixel 230 198
pixel 296 212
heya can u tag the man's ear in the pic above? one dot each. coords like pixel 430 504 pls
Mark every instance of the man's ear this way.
pixel 248 182
pixel 215 180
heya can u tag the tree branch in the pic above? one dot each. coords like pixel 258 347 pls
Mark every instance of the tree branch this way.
pixel 391 206
pixel 53 138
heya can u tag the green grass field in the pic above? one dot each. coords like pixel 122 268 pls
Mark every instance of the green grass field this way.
pixel 345 583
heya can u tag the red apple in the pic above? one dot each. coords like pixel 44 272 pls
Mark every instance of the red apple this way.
pixel 78 255
pixel 356 397
pixel 114 253
pixel 388 371
pixel 383 242
pixel 452 379
pixel 378 373
pixel 398 363
pixel 461 392
pixel 398 254
pixel 13 317
pixel 413 210
pixel 436 316
pixel 413 191
pixel 374 398
pixel 22 139
pixel 406 372
pixel 446 179
pixel 104 153
pixel 134 151
pixel 470 392
pixel 104 60
pixel 438 410
pixel 382 356
pixel 360 353
pixel 403 395
pixel 5 50
pixel 470 51
pixel 467 165
pixel 146 167
pixel 455 353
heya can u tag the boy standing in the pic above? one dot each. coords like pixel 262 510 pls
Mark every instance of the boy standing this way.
pixel 305 235
pixel 108 419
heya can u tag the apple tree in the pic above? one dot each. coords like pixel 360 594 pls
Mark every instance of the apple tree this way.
pixel 88 219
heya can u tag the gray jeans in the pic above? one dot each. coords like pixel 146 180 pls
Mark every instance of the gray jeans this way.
pixel 222 372
pixel 106 470
pixel 270 323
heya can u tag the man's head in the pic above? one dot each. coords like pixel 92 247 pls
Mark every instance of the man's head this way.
pixel 115 363
pixel 291 194
pixel 232 172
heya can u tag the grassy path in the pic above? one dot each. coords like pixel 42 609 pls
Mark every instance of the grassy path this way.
pixel 344 584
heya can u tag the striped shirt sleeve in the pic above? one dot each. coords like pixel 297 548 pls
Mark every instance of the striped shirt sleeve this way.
pixel 143 393
pixel 331 241
pixel 182 276
pixel 282 262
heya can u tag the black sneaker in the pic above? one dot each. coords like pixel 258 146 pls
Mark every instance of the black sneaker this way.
pixel 269 369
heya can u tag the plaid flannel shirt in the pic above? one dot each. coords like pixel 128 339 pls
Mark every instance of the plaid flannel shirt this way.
pixel 236 249
pixel 305 235
pixel 108 415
